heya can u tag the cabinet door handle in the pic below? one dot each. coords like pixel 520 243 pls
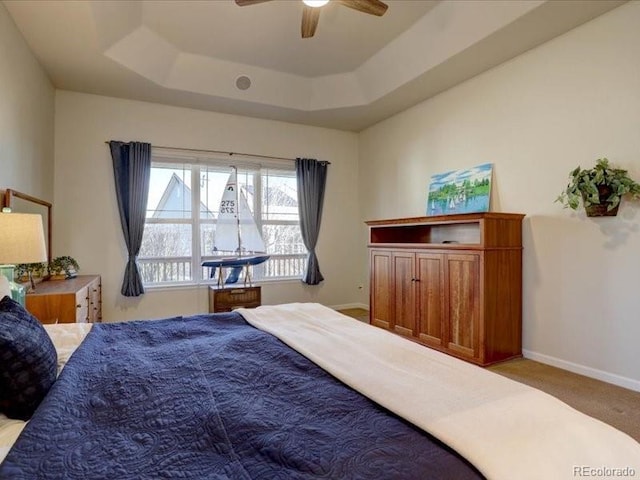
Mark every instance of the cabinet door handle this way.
pixel 417 279
pixel 78 306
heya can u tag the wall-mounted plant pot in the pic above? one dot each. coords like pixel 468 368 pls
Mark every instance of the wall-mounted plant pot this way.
pixel 601 209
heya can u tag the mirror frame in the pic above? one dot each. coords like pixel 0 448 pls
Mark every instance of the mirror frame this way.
pixel 9 194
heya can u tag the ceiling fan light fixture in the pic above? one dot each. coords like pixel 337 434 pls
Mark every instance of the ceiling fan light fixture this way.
pixel 315 3
pixel 311 11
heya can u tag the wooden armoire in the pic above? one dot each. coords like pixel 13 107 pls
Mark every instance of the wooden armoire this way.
pixel 450 282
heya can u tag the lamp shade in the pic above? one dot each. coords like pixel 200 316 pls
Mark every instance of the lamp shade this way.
pixel 21 238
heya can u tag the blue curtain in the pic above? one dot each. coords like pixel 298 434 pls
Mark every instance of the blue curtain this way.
pixel 312 178
pixel 131 170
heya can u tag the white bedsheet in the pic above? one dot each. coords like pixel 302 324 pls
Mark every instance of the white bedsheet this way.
pixel 65 337
pixel 506 429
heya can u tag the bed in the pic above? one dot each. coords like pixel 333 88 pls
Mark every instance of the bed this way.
pixel 294 391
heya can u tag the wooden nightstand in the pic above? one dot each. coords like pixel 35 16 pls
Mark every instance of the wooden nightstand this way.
pixel 227 299
pixel 76 300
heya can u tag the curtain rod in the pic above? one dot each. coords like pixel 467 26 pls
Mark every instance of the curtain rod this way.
pixel 224 153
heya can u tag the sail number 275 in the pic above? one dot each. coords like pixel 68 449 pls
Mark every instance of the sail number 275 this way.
pixel 228 206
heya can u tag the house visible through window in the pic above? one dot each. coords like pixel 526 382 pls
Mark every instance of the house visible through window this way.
pixel 176 241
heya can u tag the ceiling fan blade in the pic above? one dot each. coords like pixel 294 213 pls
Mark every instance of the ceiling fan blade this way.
pixel 244 3
pixel 372 7
pixel 310 17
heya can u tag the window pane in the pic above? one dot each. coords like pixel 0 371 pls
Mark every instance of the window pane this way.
pixel 212 183
pixel 165 254
pixel 283 239
pixel 213 180
pixel 169 191
pixel 246 181
pixel 207 237
pixel 166 240
pixel 279 196
pixel 282 267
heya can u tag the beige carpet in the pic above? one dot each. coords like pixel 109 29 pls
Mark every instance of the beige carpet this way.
pixel 614 405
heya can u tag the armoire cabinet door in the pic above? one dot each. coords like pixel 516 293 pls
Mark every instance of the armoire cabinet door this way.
pixel 463 303
pixel 430 288
pixel 380 289
pixel 404 287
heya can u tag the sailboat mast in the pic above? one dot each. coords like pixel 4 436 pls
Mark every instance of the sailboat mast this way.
pixel 235 169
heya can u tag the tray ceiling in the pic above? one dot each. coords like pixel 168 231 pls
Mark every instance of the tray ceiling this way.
pixel 213 55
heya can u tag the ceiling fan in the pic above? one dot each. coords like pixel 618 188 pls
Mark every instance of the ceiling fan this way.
pixel 311 12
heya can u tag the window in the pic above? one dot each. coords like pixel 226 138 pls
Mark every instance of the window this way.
pixel 176 241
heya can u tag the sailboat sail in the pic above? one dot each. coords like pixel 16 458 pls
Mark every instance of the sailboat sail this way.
pixel 236 230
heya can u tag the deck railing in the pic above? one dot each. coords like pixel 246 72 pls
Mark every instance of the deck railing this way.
pixel 178 269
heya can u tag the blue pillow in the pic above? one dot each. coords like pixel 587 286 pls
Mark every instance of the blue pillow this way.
pixel 28 361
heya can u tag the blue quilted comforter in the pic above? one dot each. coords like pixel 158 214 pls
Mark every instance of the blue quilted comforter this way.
pixel 210 397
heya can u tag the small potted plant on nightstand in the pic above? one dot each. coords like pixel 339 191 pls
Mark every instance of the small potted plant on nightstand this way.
pixel 30 272
pixel 599 188
pixel 63 267
pixel 25 271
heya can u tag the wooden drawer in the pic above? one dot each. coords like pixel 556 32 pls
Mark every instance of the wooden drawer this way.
pixel 227 299
pixel 66 301
pixel 82 305
pixel 95 301
pixel 59 308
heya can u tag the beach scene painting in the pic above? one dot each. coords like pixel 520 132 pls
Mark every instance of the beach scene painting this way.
pixel 460 191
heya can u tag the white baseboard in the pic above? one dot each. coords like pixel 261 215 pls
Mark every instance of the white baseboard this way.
pixel 350 305
pixel 619 380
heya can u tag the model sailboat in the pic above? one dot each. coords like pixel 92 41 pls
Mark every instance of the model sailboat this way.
pixel 238 243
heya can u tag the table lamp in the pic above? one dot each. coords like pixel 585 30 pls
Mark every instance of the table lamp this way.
pixel 21 241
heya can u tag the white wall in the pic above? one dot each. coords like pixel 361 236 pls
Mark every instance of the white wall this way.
pixel 26 116
pixel 563 104
pixel 87 227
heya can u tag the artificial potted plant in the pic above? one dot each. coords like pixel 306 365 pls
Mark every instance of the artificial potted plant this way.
pixel 63 267
pixel 26 271
pixel 599 188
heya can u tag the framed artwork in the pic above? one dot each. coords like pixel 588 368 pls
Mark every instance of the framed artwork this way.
pixel 460 191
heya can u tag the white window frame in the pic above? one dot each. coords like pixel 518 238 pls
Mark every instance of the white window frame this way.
pixel 196 164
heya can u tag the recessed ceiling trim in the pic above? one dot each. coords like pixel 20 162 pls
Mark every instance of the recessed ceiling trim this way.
pixel 336 91
pixel 448 29
pixel 195 73
pixel 70 40
pixel 115 20
pixel 146 53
